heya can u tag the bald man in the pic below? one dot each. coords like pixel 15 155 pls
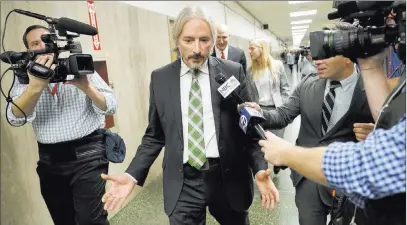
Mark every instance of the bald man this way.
pixel 223 50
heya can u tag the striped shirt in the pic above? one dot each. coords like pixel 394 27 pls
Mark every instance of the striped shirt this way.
pixel 67 115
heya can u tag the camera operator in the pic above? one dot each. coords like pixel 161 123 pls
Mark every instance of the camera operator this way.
pixel 333 107
pixel 372 173
pixel 67 118
pixel 308 65
pixel 368 170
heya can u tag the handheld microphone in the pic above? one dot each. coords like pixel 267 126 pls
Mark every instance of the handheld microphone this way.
pixel 63 23
pixel 248 116
pixel 228 87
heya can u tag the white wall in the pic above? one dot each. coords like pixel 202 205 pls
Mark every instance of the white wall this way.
pixel 240 22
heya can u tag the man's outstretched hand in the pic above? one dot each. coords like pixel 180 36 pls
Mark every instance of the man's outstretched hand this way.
pixel 118 192
pixel 270 196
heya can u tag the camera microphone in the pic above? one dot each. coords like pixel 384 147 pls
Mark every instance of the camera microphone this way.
pixel 75 26
pixel 63 23
pixel 17 56
pixel 31 14
pixel 348 7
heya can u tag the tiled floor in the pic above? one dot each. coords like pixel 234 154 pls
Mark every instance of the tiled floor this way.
pixel 147 208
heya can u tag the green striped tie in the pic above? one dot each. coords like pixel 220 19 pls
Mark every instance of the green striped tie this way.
pixel 196 142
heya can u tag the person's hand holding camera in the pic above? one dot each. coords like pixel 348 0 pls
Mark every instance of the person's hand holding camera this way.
pixel 36 82
pixel 81 82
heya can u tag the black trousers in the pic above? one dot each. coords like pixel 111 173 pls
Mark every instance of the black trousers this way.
pixel 291 68
pixel 314 202
pixel 70 181
pixel 349 212
pixel 203 189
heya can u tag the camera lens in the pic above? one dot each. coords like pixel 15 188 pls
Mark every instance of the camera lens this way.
pixel 346 43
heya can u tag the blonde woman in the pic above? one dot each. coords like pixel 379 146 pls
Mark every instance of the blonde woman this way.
pixel 268 77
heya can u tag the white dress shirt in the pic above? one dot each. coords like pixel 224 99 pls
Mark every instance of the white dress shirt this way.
pixel 343 97
pixel 219 52
pixel 263 86
pixel 290 59
pixel 211 144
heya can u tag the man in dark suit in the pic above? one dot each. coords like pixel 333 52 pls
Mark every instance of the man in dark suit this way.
pixel 223 50
pixel 208 160
pixel 329 104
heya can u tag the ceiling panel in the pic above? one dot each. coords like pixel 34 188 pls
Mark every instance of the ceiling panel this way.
pixel 277 15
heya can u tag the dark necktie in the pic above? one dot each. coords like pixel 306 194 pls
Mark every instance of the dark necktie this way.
pixel 222 55
pixel 328 106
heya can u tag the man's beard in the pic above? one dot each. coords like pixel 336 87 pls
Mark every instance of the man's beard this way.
pixel 197 65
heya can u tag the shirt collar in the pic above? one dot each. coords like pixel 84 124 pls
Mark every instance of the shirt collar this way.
pixel 219 51
pixel 347 82
pixel 185 69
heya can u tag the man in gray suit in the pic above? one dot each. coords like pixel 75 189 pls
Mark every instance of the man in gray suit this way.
pixel 208 160
pixel 330 103
pixel 223 50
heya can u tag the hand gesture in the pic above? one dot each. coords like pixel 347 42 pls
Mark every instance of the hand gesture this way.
pixel 118 192
pixel 270 196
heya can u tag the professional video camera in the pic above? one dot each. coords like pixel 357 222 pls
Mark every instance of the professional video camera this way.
pixel 76 64
pixel 372 33
pixel 304 51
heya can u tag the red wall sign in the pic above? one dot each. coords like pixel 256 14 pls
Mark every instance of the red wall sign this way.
pixel 93 22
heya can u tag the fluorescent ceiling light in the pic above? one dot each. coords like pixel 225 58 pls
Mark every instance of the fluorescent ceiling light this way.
pixel 300 36
pixel 297 2
pixel 297 22
pixel 299 27
pixel 303 13
pixel 299 31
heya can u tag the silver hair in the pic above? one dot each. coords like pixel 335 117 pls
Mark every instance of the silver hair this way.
pixel 187 14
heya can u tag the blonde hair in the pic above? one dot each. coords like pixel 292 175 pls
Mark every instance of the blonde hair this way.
pixel 263 61
pixel 187 14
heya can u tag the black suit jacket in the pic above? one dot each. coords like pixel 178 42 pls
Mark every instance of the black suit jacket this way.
pixel 235 55
pixel 240 156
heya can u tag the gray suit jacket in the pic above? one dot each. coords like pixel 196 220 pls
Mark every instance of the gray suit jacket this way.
pixel 280 90
pixel 307 100
pixel 240 156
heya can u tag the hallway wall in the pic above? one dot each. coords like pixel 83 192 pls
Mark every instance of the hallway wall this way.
pixel 133 45
pixel 134 42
